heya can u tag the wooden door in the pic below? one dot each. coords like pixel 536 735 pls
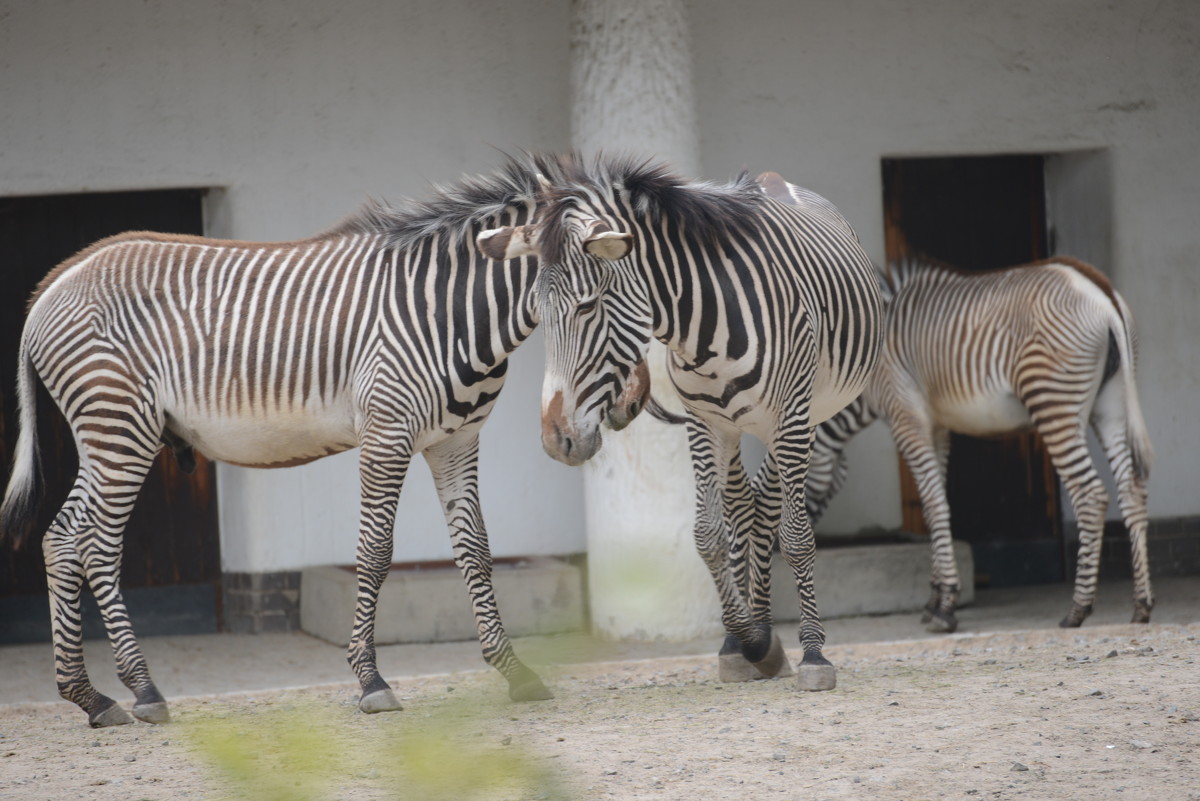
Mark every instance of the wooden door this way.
pixel 171 570
pixel 981 213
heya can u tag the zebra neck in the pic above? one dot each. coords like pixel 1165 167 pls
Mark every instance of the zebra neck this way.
pixel 485 309
pixel 699 308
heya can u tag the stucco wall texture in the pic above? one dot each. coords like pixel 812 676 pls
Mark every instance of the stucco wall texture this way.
pixel 293 113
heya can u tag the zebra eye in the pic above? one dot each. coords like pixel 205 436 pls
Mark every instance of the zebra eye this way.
pixel 586 306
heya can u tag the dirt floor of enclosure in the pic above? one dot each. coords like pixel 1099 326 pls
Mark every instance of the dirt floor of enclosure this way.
pixel 1106 711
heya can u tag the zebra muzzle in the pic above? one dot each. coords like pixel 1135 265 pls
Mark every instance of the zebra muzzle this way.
pixel 569 446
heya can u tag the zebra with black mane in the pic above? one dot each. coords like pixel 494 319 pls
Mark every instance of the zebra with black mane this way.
pixel 389 333
pixel 1047 346
pixel 771 314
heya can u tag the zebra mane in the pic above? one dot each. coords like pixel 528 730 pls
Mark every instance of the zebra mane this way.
pixel 452 210
pixel 703 209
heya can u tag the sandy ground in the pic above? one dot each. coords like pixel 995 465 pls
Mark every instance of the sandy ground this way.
pixel 1105 712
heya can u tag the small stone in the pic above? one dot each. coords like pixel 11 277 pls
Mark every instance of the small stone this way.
pixel 1111 653
pixel 1018 766
pixel 506 741
pixel 1141 744
pixel 778 757
pixel 131 758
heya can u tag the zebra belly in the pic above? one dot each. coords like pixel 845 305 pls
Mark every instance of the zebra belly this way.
pixel 282 439
pixel 830 397
pixel 984 415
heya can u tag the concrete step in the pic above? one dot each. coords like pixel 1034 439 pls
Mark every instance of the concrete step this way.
pixel 868 580
pixel 545 596
pixel 536 596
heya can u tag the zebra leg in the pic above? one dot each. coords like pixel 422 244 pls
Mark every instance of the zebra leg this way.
pixel 739 517
pixel 768 501
pixel 790 450
pixel 739 514
pixel 750 561
pixel 828 464
pixel 455 468
pixel 1090 502
pixel 925 450
pixel 382 468
pixel 938 614
pixel 767 497
pixel 109 507
pixel 1109 424
pixel 88 533
pixel 1060 425
pixel 710 452
pixel 65 577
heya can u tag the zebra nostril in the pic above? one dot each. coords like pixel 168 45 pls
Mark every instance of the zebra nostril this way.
pixel 568 445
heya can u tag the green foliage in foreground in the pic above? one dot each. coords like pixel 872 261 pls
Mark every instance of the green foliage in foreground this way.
pixel 282 755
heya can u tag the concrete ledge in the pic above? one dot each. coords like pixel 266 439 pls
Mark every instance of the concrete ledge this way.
pixel 868 580
pixel 536 596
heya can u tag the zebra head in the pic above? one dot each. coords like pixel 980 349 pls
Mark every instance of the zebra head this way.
pixel 595 311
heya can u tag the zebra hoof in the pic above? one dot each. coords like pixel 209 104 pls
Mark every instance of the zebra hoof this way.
pixel 379 701
pixel 531 689
pixel 156 712
pixel 1075 617
pixel 940 623
pixel 1141 612
pixel 112 715
pixel 816 674
pixel 733 668
pixel 732 664
pixel 775 663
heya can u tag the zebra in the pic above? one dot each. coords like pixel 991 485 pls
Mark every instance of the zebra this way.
pixel 772 316
pixel 1048 346
pixel 387 332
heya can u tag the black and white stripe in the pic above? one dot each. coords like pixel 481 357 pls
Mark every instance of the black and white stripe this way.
pixel 1047 346
pixel 389 333
pixel 772 314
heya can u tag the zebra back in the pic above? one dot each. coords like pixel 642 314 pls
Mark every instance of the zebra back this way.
pixel 213 335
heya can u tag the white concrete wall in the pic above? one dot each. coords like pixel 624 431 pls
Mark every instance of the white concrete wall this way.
pixel 299 111
pixel 822 91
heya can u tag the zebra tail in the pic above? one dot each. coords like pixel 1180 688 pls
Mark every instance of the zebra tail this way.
pixel 25 483
pixel 1140 449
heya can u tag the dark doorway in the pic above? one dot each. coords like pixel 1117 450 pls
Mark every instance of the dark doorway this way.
pixel 171 570
pixel 982 213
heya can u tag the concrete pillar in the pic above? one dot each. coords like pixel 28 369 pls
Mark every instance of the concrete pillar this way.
pixel 632 93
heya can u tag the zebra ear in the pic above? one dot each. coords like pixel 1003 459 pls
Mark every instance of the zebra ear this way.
pixel 500 244
pixel 609 245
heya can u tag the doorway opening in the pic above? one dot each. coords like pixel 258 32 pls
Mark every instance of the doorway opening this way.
pixel 171 566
